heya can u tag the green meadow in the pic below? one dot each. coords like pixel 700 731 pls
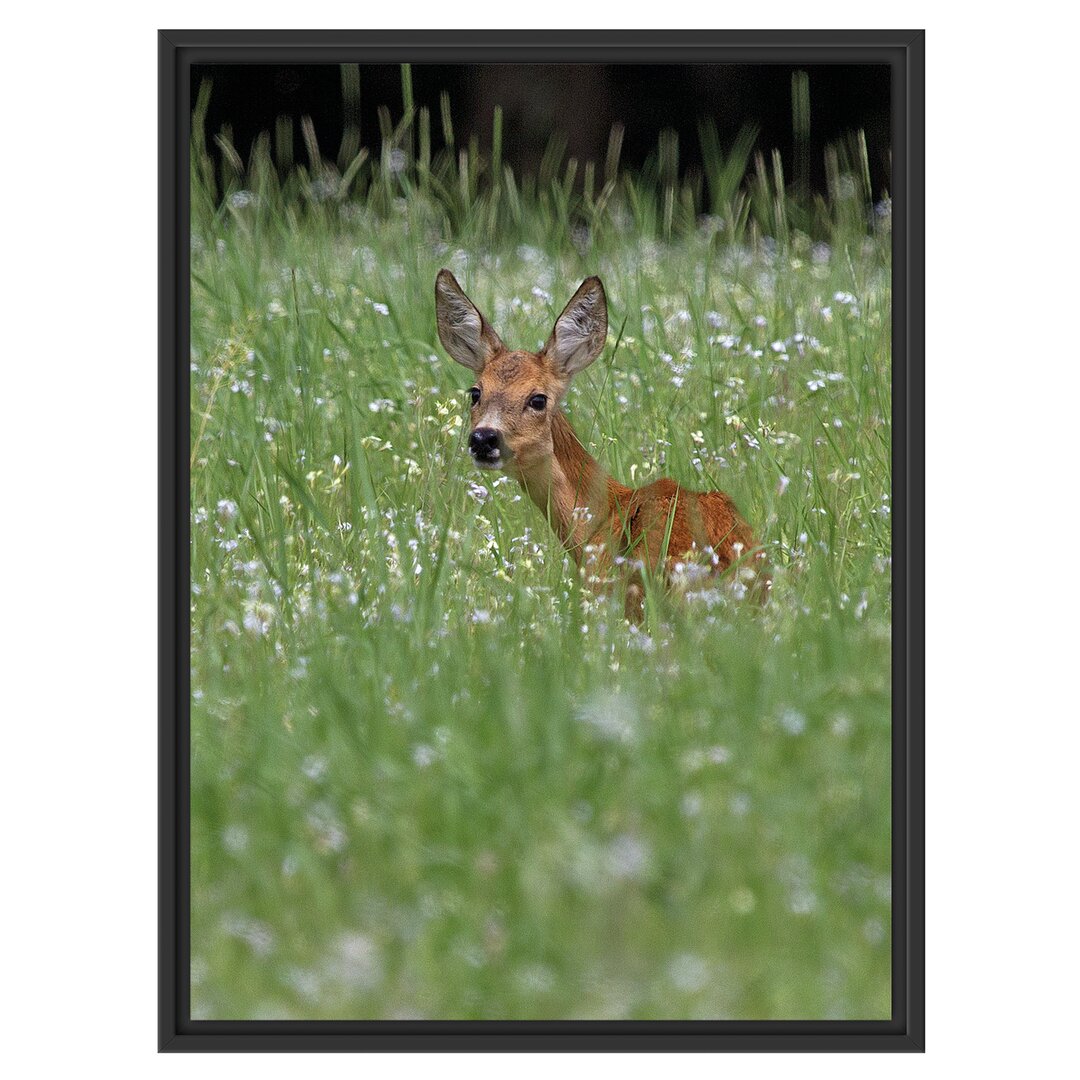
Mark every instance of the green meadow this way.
pixel 434 776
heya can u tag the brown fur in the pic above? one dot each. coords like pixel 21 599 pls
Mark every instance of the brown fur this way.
pixel 610 529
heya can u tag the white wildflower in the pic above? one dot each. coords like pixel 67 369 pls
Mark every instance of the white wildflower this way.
pixel 793 721
pixel 611 715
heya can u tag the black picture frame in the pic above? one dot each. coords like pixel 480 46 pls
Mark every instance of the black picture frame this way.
pixel 903 51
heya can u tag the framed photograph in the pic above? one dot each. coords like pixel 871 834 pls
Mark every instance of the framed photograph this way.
pixel 541 540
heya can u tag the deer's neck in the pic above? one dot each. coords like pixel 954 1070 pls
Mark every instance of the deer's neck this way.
pixel 574 492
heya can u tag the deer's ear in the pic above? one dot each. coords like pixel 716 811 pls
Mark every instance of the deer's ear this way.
pixel 465 334
pixel 581 330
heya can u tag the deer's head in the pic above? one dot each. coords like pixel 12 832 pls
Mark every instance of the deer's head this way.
pixel 516 393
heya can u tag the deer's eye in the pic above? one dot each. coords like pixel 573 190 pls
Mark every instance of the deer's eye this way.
pixel 537 402
pixel 474 394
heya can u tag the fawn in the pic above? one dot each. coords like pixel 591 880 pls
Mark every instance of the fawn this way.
pixel 517 426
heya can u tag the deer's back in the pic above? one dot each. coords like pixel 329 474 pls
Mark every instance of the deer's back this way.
pixel 666 511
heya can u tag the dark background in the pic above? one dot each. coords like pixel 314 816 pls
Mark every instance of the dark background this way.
pixel 580 100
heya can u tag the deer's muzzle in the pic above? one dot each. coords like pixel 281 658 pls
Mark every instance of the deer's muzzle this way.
pixel 486 447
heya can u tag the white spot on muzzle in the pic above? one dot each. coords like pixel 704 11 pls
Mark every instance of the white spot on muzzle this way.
pixel 492 418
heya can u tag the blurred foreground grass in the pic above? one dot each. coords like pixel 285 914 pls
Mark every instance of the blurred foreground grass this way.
pixel 430 776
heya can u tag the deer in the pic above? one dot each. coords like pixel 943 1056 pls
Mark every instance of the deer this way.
pixel 517 425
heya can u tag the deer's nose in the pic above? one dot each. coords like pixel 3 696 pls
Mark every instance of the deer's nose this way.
pixel 484 442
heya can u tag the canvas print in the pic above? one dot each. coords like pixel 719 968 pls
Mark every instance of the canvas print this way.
pixel 541 551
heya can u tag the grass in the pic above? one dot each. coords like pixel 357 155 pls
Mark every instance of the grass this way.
pixel 432 776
